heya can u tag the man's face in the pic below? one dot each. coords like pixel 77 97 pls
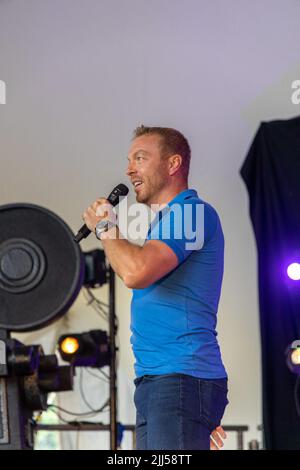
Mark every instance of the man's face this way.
pixel 146 169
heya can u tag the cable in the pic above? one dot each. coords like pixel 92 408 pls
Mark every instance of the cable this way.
pixel 58 415
pixel 86 413
pixel 97 376
pixel 103 373
pixel 98 308
pixel 72 413
pixel 95 303
pixel 82 393
pixel 64 420
pixel 93 298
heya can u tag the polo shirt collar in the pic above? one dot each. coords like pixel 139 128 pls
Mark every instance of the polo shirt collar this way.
pixel 187 193
pixel 179 198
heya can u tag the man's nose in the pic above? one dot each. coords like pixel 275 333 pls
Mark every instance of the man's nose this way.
pixel 130 169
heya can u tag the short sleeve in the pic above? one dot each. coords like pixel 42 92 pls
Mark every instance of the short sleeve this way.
pixel 184 227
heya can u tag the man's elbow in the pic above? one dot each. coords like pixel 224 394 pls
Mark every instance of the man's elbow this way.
pixel 135 281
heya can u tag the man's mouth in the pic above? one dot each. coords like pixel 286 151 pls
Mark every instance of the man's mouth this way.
pixel 137 184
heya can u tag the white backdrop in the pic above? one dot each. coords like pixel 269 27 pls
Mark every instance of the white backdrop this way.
pixel 81 75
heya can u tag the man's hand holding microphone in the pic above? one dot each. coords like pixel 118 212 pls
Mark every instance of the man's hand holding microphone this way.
pixel 99 217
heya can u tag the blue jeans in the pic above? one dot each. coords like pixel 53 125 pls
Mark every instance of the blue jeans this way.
pixel 177 411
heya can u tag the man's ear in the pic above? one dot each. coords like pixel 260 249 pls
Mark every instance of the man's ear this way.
pixel 175 162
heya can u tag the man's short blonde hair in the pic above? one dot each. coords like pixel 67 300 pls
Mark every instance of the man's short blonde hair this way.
pixel 172 142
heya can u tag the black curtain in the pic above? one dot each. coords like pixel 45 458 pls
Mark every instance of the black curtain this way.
pixel 271 172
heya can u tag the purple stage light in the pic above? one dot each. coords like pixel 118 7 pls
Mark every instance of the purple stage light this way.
pixel 293 271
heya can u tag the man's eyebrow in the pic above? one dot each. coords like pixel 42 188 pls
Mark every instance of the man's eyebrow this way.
pixel 139 151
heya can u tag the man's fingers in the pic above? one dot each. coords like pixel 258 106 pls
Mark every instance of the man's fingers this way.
pixel 97 211
pixel 221 431
pixel 103 200
pixel 101 212
pixel 217 438
pixel 98 202
pixel 213 445
pixel 105 210
pixel 218 435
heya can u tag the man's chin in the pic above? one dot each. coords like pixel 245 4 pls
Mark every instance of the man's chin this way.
pixel 142 199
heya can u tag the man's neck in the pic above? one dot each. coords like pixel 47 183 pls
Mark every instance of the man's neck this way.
pixel 167 194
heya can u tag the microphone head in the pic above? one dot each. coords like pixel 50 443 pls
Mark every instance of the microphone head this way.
pixel 117 192
pixel 122 189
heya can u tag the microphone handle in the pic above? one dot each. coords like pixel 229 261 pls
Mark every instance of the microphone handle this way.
pixel 113 198
pixel 83 232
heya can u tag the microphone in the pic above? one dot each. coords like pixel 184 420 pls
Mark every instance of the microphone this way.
pixel 113 198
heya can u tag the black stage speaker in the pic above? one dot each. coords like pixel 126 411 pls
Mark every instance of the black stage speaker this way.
pixel 41 267
pixel 41 273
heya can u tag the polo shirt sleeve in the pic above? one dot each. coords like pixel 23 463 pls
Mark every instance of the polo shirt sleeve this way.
pixel 185 227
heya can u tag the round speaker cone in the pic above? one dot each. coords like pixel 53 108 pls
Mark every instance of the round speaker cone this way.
pixel 41 267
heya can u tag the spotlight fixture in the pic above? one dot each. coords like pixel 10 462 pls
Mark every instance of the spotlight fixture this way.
pixel 90 349
pixel 69 345
pixel 293 357
pixel 95 274
pixel 293 271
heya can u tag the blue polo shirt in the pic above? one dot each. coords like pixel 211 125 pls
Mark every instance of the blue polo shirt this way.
pixel 173 321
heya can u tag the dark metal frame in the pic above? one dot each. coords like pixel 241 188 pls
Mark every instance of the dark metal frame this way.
pixel 239 429
pixel 113 372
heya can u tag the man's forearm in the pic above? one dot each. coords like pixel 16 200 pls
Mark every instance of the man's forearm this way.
pixel 123 256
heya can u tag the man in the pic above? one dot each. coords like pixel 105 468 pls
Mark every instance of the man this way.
pixel 181 383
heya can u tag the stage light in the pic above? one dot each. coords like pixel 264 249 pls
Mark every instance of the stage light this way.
pixel 70 345
pixel 96 272
pixel 293 357
pixel 90 349
pixel 293 271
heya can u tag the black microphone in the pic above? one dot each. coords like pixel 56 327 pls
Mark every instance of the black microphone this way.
pixel 113 198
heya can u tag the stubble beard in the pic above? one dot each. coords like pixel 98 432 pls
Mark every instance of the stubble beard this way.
pixel 151 191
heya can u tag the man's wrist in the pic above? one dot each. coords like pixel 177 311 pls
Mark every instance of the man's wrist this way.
pixel 105 229
pixel 111 234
